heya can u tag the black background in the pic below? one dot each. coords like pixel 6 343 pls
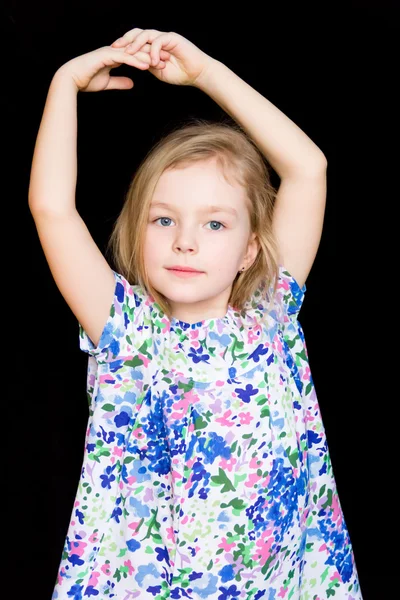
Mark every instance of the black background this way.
pixel 330 69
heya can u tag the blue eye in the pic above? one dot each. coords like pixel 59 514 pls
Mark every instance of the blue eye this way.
pixel 218 223
pixel 168 219
pixel 163 219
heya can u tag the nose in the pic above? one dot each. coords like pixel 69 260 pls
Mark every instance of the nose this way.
pixel 185 240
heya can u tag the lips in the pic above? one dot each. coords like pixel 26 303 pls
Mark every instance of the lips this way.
pixel 184 269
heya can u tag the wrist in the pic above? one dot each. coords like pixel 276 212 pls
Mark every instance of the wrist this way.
pixel 63 77
pixel 208 73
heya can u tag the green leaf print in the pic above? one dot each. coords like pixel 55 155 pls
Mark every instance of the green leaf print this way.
pixel 239 529
pixel 294 457
pixel 92 456
pixel 223 479
pixel 200 423
pixel 136 361
pixel 238 478
pixel 309 388
pixel 186 387
pixel 237 504
pixel 265 412
pixel 108 407
pixel 260 400
pixel 329 499
pixel 291 342
pixel 153 523
pixel 301 356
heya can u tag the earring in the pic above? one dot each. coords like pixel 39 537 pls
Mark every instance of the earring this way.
pixel 242 269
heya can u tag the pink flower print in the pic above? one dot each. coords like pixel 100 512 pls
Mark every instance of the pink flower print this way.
pixel 323 547
pixel 282 592
pixel 128 564
pixel 245 418
pixel 117 451
pixel 106 568
pixel 107 378
pixel 134 526
pixel 337 513
pixel 283 284
pixel 337 576
pixel 228 464
pixel 252 480
pixel 262 553
pixel 224 419
pixel 194 334
pixel 255 463
pixel 183 404
pixel 171 534
pixel 94 578
pixel 78 547
pixel 138 433
pixel 224 544
pixel 94 537
pixel 253 334
pixel 167 325
pixel 219 383
pixel 308 417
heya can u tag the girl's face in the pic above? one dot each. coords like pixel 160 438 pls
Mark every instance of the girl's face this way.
pixel 186 229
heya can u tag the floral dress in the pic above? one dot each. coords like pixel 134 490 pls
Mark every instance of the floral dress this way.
pixel 206 472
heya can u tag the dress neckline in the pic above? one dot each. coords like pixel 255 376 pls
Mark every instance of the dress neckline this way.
pixel 204 323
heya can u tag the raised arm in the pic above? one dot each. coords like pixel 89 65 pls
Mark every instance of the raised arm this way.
pixel 80 271
pixel 301 197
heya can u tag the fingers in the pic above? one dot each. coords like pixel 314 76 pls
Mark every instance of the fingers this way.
pixel 146 48
pixel 114 57
pixel 127 38
pixel 156 50
pixel 139 36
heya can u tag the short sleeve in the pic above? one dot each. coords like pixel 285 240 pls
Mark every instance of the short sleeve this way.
pixel 289 294
pixel 286 303
pixel 119 330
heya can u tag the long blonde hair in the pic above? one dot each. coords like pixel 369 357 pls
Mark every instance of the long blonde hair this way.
pixel 237 156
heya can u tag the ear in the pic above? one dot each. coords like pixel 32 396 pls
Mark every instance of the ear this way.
pixel 253 248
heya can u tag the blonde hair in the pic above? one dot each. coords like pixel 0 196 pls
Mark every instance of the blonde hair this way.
pixel 236 155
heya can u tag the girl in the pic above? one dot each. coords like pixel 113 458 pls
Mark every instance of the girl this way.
pixel 206 472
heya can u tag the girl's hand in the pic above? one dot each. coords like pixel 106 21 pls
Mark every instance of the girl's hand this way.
pixel 185 64
pixel 91 71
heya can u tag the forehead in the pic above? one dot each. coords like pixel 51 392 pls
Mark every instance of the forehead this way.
pixel 199 182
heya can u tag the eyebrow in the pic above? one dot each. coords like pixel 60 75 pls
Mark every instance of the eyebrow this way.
pixel 209 209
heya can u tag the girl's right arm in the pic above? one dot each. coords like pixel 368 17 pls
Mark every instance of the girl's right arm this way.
pixel 80 271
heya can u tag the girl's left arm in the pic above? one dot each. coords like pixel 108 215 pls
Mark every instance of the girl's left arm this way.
pixel 301 165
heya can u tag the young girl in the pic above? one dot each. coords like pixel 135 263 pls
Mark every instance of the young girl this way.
pixel 206 473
